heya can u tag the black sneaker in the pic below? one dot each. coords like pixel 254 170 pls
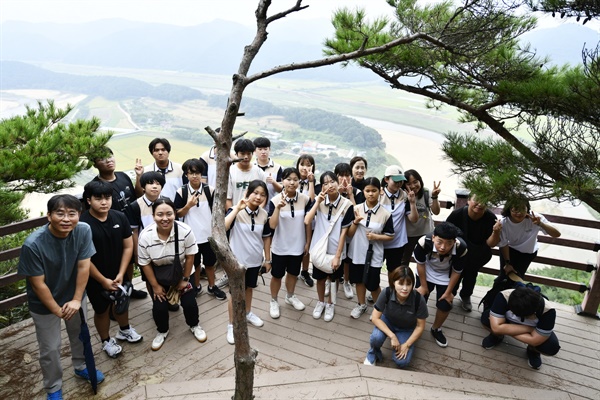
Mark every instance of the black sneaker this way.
pixel 534 359
pixel 305 276
pixel 439 337
pixel 491 340
pixel 218 293
pixel 466 304
pixel 173 307
pixel 198 289
pixel 138 294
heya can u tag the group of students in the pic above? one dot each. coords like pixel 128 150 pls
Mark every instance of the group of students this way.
pixel 277 219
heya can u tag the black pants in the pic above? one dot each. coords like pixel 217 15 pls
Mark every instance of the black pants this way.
pixel 519 261
pixel 474 260
pixel 160 311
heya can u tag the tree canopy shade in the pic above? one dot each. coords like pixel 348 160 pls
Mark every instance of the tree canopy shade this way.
pixel 580 9
pixel 40 153
pixel 471 59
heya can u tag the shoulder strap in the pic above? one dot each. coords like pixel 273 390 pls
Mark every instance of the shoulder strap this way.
pixel 426 196
pixel 209 196
pixel 184 194
pixel 417 301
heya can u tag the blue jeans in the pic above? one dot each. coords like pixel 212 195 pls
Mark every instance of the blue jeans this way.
pixel 378 338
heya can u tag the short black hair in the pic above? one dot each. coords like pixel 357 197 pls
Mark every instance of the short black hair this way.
pixel 402 273
pixel 151 177
pixel 262 142
pixel 244 146
pixel 447 230
pixel 97 189
pixel 373 181
pixel 524 302
pixel 193 165
pixel 67 201
pixel 411 172
pixel 255 184
pixel 162 141
pixel 288 171
pixel 343 169
pixel 306 157
pixel 517 202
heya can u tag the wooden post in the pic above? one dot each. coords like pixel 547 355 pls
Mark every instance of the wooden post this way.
pixel 589 305
pixel 462 196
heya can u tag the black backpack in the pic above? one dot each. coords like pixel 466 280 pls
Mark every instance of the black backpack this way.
pixel 507 283
pixel 205 190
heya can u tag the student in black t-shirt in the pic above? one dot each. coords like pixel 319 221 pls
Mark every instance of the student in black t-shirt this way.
pixel 122 192
pixel 111 234
pixel 476 222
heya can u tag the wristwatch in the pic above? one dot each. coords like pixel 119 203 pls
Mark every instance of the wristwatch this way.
pixel 185 279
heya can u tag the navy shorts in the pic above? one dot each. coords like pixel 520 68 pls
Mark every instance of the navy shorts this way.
pixel 320 275
pixel 252 277
pixel 283 264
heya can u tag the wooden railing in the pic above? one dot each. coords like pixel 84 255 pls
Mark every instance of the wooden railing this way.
pixel 588 307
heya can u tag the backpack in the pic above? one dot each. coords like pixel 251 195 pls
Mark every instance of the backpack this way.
pixel 507 283
pixel 205 190
pixel 388 295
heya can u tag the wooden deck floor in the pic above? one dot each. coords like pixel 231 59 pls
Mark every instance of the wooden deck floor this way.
pixel 305 347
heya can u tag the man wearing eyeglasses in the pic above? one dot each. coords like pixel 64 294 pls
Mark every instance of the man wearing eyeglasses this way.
pixel 55 259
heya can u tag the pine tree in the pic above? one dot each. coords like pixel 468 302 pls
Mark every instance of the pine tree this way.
pixel 40 152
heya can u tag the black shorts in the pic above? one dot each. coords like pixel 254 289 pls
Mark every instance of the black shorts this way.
pixel 252 277
pixel 442 305
pixel 283 264
pixel 373 277
pixel 100 304
pixel 206 255
pixel 393 257
pixel 320 275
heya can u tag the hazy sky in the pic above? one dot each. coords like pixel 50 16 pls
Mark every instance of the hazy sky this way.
pixel 178 12
pixel 183 12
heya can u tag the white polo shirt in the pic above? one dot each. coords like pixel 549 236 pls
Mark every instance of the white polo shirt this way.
pixel 325 213
pixel 199 218
pixel 376 220
pixel 522 236
pixel 289 238
pixel 396 205
pixel 246 235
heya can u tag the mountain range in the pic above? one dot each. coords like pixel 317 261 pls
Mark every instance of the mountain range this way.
pixel 216 47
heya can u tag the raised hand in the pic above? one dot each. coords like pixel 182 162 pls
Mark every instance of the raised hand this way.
pixel 139 168
pixel 436 189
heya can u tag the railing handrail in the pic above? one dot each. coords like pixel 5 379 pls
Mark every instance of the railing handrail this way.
pixel 594 286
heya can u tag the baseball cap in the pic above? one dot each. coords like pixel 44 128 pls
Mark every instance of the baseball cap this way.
pixel 395 172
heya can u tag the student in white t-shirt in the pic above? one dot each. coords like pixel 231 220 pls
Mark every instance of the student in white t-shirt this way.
pixel 242 172
pixel 271 169
pixel 516 236
pixel 160 148
pixel 289 243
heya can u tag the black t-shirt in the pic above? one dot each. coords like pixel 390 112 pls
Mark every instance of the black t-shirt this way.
pixel 475 233
pixel 123 190
pixel 108 239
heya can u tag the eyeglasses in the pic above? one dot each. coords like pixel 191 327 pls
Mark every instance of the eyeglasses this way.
pixel 194 174
pixel 518 210
pixel 62 215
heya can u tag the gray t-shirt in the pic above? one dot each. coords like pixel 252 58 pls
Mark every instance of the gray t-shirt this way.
pixel 56 259
pixel 400 315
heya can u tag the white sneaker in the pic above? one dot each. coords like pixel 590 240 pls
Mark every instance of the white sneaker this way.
pixel 223 281
pixel 369 297
pixel 159 340
pixel 199 333
pixel 327 287
pixel 254 320
pixel 358 311
pixel 295 302
pixel 318 310
pixel 367 362
pixel 112 348
pixel 230 334
pixel 129 334
pixel 348 290
pixel 329 312
pixel 274 309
